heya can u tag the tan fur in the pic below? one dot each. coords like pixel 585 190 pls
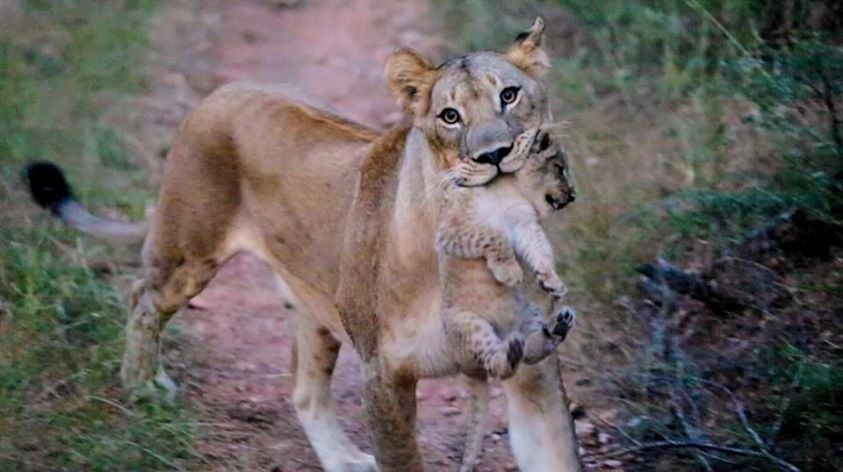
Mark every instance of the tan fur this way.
pixel 494 223
pixel 346 219
pixel 480 307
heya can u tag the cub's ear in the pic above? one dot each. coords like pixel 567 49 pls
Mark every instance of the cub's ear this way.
pixel 526 52
pixel 410 77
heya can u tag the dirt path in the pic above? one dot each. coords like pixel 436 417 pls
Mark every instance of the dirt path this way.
pixel 238 344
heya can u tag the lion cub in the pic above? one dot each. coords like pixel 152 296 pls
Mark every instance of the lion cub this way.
pixel 482 231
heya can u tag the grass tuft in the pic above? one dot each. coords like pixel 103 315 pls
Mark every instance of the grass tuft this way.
pixel 63 65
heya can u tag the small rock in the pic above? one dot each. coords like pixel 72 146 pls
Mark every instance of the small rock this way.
pixel 449 411
pixel 583 382
pixel 584 428
pixel 603 438
pixel 613 464
pixel 577 411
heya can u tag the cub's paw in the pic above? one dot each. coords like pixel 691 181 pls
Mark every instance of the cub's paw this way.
pixel 507 271
pixel 565 320
pixel 539 343
pixel 502 363
pixel 551 284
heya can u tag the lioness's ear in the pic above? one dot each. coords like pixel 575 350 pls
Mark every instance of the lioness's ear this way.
pixel 410 77
pixel 527 53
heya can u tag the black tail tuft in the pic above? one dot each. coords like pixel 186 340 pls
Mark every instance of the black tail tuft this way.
pixel 47 185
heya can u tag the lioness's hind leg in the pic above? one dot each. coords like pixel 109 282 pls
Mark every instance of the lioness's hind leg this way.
pixel 187 241
pixel 155 300
pixel 143 329
pixel 314 357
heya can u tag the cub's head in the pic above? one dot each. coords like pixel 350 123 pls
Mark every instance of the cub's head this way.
pixel 544 178
pixel 479 111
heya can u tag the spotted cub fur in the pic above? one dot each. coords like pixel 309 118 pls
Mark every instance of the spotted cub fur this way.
pixel 484 232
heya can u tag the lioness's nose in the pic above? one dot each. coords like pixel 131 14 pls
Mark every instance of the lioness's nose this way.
pixel 493 157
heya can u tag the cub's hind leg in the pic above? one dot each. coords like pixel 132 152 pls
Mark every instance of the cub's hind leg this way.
pixel 541 339
pixel 476 338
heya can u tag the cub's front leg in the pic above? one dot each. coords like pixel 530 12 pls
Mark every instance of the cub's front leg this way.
pixel 474 240
pixel 532 245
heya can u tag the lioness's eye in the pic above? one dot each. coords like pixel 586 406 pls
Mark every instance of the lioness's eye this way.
pixel 450 116
pixel 509 94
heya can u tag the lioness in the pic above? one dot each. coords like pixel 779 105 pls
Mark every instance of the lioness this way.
pixel 346 220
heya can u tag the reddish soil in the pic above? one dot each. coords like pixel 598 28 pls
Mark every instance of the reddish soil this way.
pixel 233 356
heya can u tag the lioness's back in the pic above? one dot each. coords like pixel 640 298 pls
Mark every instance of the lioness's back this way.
pixel 251 159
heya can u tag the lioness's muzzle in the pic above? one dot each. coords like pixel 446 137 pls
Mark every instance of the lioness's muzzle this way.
pixel 494 157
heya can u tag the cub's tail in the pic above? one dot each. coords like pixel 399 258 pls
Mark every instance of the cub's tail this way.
pixel 478 414
pixel 50 190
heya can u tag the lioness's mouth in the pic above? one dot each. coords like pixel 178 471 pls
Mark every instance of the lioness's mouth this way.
pixel 467 182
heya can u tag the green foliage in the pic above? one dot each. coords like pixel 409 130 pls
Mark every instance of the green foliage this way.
pixel 52 86
pixel 694 122
pixel 62 328
pixel 61 322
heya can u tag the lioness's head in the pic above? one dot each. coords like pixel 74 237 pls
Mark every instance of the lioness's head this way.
pixel 544 178
pixel 473 107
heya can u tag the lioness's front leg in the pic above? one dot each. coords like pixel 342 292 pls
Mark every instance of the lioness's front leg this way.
pixel 541 430
pixel 315 354
pixel 391 412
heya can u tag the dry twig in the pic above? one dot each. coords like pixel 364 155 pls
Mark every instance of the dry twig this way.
pixel 703 446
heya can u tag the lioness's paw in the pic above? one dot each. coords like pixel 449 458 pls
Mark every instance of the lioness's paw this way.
pixel 359 463
pixel 507 272
pixel 551 284
pixel 565 320
pixel 161 389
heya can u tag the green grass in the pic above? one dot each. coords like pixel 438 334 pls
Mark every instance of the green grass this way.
pixel 64 65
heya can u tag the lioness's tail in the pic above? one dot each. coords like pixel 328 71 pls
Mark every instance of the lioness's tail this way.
pixel 50 190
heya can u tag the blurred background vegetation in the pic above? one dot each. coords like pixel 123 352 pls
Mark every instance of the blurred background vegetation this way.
pixel 69 71
pixel 693 123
